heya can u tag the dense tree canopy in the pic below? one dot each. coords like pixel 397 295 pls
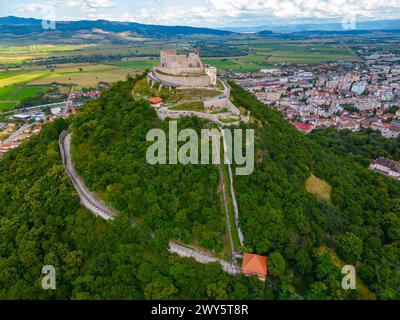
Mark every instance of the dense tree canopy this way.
pixel 360 222
pixel 306 239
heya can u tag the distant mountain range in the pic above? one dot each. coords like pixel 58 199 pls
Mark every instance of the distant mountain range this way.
pixel 27 26
pixel 332 26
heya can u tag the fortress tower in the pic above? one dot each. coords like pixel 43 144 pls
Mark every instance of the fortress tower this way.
pixel 174 64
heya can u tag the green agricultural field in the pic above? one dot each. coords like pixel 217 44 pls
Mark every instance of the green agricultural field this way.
pixel 4 106
pixel 19 92
pixel 23 77
pixel 138 64
pixel 11 96
pixel 237 65
pixel 20 54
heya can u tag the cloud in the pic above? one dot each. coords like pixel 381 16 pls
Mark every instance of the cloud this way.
pixel 306 8
pixel 86 4
pixel 218 13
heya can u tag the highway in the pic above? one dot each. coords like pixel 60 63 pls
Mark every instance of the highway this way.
pixel 89 200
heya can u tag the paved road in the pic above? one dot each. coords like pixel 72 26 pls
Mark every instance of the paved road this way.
pixel 88 199
pixel 16 134
pixel 202 257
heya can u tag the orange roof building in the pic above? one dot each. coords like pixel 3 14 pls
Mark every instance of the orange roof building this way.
pixel 156 101
pixel 254 265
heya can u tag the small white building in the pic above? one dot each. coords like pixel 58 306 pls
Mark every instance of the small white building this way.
pixel 55 111
pixel 386 166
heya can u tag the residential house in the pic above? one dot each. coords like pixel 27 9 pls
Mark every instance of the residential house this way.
pixel 386 166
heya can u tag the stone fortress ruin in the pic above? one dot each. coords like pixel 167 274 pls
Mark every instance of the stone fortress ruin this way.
pixel 179 70
pixel 187 72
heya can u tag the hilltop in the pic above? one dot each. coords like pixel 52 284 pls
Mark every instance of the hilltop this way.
pixel 278 216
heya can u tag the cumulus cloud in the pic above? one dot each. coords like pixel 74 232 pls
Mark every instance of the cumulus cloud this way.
pixel 219 13
pixel 306 8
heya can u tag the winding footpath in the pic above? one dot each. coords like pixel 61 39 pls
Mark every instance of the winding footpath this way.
pixel 89 200
pixel 202 257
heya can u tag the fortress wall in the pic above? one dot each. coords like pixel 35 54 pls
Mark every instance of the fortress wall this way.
pixel 179 70
pixel 174 64
pixel 200 81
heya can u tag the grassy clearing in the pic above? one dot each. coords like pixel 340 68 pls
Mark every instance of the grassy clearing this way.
pixel 361 287
pixel 319 188
pixel 143 89
pixel 197 105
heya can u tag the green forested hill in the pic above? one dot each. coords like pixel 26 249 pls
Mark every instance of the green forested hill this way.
pixel 361 222
pixel 305 239
pixel 42 222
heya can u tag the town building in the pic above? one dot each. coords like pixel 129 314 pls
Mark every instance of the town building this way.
pixel 156 102
pixel 386 166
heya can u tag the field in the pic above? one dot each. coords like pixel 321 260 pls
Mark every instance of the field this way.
pixel 84 65
pixel 13 54
pixel 319 188
pixel 197 105
pixel 23 77
pixel 138 64
pixel 11 96
pixel 85 75
pixel 29 82
pixel 5 105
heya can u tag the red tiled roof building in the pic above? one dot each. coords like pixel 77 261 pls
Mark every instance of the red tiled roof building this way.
pixel 254 265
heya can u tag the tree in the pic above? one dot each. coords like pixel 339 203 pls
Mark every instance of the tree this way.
pixel 276 265
pixel 350 247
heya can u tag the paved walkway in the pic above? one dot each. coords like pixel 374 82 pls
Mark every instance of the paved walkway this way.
pixel 233 196
pixel 202 257
pixel 88 199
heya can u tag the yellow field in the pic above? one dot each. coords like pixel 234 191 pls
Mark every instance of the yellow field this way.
pixel 89 76
pixel 319 188
pixel 23 78
pixel 17 54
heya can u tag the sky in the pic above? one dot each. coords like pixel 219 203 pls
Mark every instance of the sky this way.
pixel 206 13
